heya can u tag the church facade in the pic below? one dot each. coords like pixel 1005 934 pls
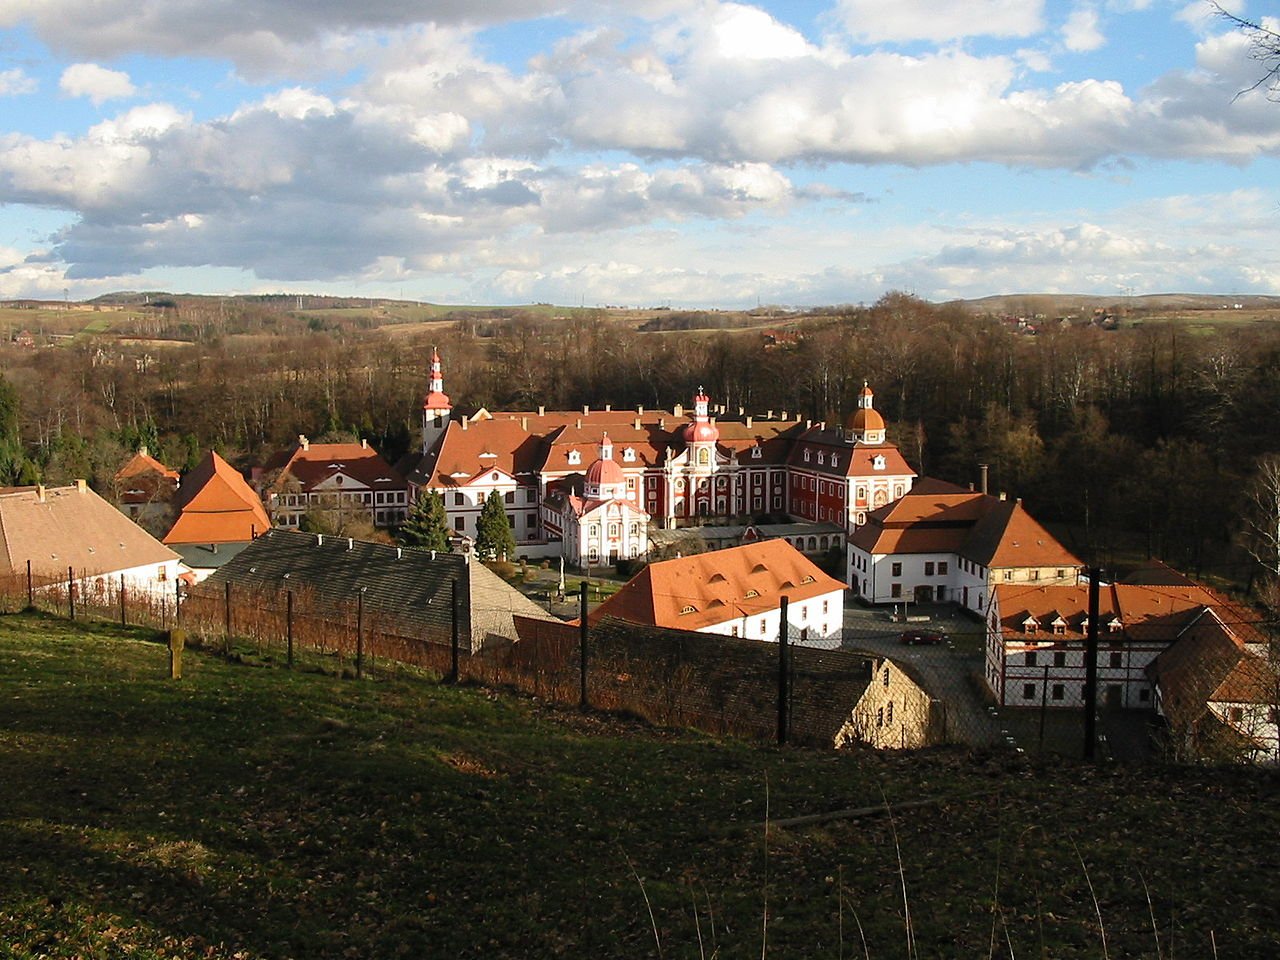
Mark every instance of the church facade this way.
pixel 663 469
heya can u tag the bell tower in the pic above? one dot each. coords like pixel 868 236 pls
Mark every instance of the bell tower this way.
pixel 436 406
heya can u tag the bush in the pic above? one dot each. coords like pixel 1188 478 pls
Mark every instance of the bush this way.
pixel 503 568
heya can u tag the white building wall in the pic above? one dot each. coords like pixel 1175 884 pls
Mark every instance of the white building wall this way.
pixel 818 622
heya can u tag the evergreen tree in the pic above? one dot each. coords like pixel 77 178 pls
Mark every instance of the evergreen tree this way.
pixel 15 468
pixel 494 540
pixel 427 526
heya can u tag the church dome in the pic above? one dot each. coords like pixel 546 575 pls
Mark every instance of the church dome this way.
pixel 701 432
pixel 605 473
pixel 864 419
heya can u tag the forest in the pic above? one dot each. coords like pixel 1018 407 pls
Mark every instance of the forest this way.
pixel 1150 438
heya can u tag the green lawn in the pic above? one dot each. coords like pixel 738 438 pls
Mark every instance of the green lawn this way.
pixel 248 811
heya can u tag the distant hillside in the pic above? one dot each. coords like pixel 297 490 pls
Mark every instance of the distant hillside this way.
pixel 1028 304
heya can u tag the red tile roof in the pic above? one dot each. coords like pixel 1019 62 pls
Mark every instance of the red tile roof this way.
pixel 852 459
pixel 144 479
pixel 976 526
pixel 312 463
pixel 690 593
pixel 217 506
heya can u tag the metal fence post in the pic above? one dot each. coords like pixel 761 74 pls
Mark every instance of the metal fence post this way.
pixel 288 622
pixel 31 593
pixel 583 702
pixel 360 634
pixel 783 627
pixel 123 620
pixel 453 630
pixel 177 603
pixel 71 592
pixel 227 604
pixel 1091 666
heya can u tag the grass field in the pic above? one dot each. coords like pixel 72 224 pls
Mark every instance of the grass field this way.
pixel 249 811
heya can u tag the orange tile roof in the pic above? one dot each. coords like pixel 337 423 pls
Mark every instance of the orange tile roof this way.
pixel 853 459
pixel 142 463
pixel 1209 664
pixel 144 479
pixel 690 593
pixel 60 527
pixel 979 527
pixel 217 506
pixel 316 462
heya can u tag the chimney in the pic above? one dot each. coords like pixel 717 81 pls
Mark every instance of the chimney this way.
pixel 640 409
pixel 608 408
pixel 40 493
pixel 400 553
pixel 465 421
pixel 748 423
pixel 319 539
pixel 678 410
pixel 579 423
pixel 983 471
pixel 524 424
pixel 808 424
pixel 741 411
pixel 636 424
pixel 303 442
pixel 364 444
pixel 433 554
pixel 1002 495
pixel 351 543
pixel 662 423
pixel 784 415
pixel 82 486
pixel 542 411
pixel 142 450
pixel 586 409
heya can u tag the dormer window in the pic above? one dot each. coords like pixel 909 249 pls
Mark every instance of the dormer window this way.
pixel 877 462
pixel 806 456
pixel 751 594
pixel 488 455
pixel 628 455
pixel 1113 625
pixel 822 458
pixel 808 578
pixel 835 460
pixel 688 608
pixel 1030 625
pixel 575 457
pixel 755 453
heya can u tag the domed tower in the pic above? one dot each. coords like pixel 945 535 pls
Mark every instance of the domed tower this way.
pixel 435 406
pixel 605 479
pixel 866 425
pixel 702 435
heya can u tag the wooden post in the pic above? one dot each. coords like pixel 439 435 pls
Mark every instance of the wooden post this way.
pixel 288 625
pixel 177 639
pixel 177 602
pixel 1091 666
pixel 123 621
pixel 31 593
pixel 227 609
pixel 453 630
pixel 583 702
pixel 782 672
pixel 360 634
pixel 71 592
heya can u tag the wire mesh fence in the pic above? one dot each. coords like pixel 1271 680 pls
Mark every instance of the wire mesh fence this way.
pixel 881 681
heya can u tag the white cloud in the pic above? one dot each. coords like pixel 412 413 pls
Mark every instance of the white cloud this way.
pixel 15 83
pixel 1081 33
pixel 939 21
pixel 97 83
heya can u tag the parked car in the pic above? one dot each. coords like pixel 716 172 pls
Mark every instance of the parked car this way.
pixel 913 637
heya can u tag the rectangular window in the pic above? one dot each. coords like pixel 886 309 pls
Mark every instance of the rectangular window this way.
pixel 895 590
pixel 1117 659
pixel 1059 691
pixel 928 568
pixel 1031 658
pixel 511 520
pixel 460 524
pixel 531 496
pixel 942 568
pixel 1059 659
pixel 895 569
pixel 459 499
pixel 1028 691
pixel 509 497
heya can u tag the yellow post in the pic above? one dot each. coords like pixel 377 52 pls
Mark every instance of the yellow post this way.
pixel 177 640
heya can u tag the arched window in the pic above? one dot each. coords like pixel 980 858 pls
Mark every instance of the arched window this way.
pixel 704 456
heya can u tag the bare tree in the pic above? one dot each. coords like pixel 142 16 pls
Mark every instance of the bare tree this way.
pixel 1264 47
pixel 1262 516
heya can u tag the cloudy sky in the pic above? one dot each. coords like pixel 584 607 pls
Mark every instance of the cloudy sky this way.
pixel 691 152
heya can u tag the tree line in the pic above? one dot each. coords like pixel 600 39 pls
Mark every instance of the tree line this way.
pixel 1157 429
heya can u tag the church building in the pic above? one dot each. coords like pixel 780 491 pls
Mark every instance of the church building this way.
pixel 588 485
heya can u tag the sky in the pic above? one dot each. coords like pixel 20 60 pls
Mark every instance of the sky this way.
pixel 691 153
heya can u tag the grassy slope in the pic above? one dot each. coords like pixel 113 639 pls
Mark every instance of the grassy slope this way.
pixel 249 811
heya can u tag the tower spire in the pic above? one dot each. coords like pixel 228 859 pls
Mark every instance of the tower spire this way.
pixel 436 405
